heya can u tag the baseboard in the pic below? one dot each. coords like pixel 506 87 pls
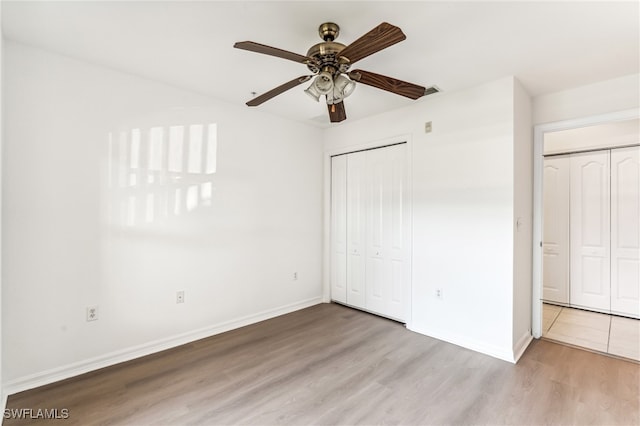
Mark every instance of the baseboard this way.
pixel 521 345
pixel 60 373
pixel 504 354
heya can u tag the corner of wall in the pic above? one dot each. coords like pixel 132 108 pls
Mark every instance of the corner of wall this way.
pixel 521 345
pixel 523 219
pixel 3 398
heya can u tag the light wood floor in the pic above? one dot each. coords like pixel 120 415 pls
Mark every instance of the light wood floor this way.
pixel 332 365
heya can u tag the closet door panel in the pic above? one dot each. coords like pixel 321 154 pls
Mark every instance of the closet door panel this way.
pixel 339 228
pixel 397 252
pixel 625 231
pixel 589 231
pixel 398 289
pixel 378 231
pixel 386 252
pixel 556 230
pixel 356 217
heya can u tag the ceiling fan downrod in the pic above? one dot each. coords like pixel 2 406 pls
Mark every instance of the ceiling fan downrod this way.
pixel 329 31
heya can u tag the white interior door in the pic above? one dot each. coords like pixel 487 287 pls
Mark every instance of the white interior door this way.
pixel 555 263
pixel 385 254
pixel 339 228
pixel 625 231
pixel 589 231
pixel 356 228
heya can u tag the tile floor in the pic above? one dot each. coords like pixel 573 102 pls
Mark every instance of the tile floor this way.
pixel 599 332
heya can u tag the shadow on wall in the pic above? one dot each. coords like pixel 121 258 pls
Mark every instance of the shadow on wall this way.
pixel 160 173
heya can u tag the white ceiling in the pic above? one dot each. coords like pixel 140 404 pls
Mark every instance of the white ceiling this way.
pixel 548 46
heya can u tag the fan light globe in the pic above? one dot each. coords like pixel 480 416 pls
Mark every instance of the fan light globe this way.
pixel 323 83
pixel 344 86
pixel 313 92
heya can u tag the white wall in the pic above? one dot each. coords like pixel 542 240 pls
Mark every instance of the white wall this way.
pixel 523 212
pixel 79 232
pixel 3 400
pixel 618 94
pixel 463 210
pixel 605 135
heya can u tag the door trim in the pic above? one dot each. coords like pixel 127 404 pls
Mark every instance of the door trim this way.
pixel 538 163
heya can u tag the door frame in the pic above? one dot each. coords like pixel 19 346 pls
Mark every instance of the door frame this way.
pixel 361 146
pixel 539 132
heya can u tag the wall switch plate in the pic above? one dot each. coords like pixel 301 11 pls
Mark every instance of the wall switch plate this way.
pixel 427 127
pixel 439 293
pixel 295 276
pixel 92 313
pixel 180 297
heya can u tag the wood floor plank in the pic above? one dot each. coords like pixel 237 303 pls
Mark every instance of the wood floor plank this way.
pixel 329 365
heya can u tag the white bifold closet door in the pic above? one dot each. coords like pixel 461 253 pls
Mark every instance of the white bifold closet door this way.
pixel 368 230
pixel 589 231
pixel 625 231
pixel 555 266
pixel 384 231
pixel 357 181
pixel 339 229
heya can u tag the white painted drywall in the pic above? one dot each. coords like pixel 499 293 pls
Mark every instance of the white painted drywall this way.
pixel 605 135
pixel 523 212
pixel 607 96
pixel 3 400
pixel 77 231
pixel 462 210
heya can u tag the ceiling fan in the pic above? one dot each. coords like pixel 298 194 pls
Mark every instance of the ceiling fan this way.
pixel 330 61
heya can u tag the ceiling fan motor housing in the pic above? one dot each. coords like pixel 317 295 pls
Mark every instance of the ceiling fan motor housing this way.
pixel 326 54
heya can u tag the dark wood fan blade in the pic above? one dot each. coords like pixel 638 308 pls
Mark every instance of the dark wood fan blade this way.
pixel 389 84
pixel 280 89
pixel 273 51
pixel 381 37
pixel 337 112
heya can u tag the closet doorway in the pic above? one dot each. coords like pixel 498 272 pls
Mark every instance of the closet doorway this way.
pixel 587 234
pixel 369 259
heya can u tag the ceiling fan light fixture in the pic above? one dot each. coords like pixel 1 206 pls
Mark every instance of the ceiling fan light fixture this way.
pixel 332 99
pixel 343 85
pixel 330 61
pixel 313 92
pixel 323 83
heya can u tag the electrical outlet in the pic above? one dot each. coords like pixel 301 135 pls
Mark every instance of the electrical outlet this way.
pixel 92 313
pixel 180 297
pixel 295 276
pixel 439 293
